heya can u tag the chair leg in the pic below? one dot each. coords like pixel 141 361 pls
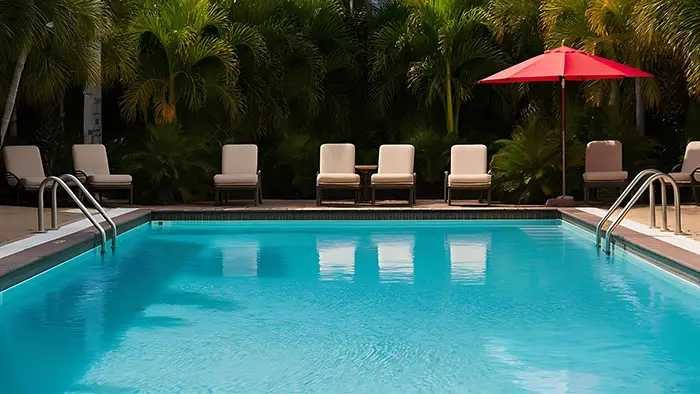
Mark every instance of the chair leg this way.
pixel 586 194
pixel 449 196
pixel 695 195
pixel 255 197
pixel 217 193
pixel 260 192
pixel 131 195
pixel 318 196
pixel 374 196
pixel 488 197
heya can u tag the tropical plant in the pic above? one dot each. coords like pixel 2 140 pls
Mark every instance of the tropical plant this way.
pixel 528 166
pixel 609 29
pixel 47 42
pixel 450 46
pixel 183 61
pixel 170 164
pixel 296 157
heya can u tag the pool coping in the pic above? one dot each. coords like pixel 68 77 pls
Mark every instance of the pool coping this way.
pixel 23 265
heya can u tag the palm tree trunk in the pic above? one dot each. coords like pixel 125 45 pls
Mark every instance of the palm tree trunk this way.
pixel 92 102
pixel 13 123
pixel 615 96
pixel 448 99
pixel 641 126
pixel 12 95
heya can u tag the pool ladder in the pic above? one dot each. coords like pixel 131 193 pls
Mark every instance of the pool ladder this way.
pixel 651 175
pixel 60 181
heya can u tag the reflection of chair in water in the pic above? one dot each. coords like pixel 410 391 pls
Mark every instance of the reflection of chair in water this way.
pixel 468 257
pixel 395 257
pixel 336 258
pixel 239 257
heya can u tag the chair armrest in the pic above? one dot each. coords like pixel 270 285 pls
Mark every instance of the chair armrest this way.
pixel 11 179
pixel 692 176
pixel 81 175
pixel 676 167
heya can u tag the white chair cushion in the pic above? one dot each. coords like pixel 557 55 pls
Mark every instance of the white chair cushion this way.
pixel 236 179
pixel 338 179
pixel 396 159
pixel 90 159
pixel 604 156
pixel 469 179
pixel 691 160
pixel 607 176
pixel 337 159
pixel 24 161
pixel 401 179
pixel 35 183
pixel 468 159
pixel 684 177
pixel 239 159
pixel 109 180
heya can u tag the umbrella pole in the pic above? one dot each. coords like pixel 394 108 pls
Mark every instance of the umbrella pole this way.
pixel 563 136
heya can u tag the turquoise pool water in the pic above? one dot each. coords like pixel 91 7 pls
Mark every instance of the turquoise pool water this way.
pixel 368 307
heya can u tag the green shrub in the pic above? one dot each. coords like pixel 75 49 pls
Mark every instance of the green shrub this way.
pixel 171 166
pixel 527 167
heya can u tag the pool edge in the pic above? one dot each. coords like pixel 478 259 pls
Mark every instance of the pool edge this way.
pixel 20 266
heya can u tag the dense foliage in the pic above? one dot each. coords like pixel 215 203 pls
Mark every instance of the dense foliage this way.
pixel 182 77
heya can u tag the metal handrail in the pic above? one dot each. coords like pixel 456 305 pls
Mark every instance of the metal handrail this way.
pixel 635 197
pixel 80 205
pixel 95 204
pixel 619 200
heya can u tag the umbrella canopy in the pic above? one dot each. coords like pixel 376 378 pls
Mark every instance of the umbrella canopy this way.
pixel 565 63
pixel 561 65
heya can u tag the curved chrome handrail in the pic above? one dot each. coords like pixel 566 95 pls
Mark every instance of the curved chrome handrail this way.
pixel 98 207
pixel 635 197
pixel 80 205
pixel 619 200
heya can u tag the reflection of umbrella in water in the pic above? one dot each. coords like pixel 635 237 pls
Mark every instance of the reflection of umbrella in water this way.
pixel 561 65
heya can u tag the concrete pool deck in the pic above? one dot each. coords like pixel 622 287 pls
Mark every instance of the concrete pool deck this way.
pixel 21 249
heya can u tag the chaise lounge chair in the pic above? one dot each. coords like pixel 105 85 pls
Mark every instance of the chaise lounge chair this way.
pixel 603 167
pixel 690 170
pixel 239 171
pixel 92 168
pixel 395 170
pixel 468 171
pixel 337 170
pixel 24 168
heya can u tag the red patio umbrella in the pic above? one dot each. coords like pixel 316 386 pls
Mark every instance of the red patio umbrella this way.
pixel 564 64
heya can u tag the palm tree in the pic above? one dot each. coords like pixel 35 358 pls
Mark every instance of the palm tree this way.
pixel 48 41
pixel 181 61
pixel 610 29
pixel 450 45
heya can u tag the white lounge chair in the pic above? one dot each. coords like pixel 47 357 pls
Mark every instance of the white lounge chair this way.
pixel 603 167
pixel 689 175
pixel 239 171
pixel 337 169
pixel 468 171
pixel 395 170
pixel 91 167
pixel 24 168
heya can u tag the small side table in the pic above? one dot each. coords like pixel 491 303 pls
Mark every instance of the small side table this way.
pixel 365 171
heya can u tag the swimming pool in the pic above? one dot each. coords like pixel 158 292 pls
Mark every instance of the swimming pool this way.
pixel 363 306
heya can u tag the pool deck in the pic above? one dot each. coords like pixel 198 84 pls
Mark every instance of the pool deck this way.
pixel 23 253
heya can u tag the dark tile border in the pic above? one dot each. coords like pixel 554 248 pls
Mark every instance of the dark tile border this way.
pixel 23 265
pixel 358 214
